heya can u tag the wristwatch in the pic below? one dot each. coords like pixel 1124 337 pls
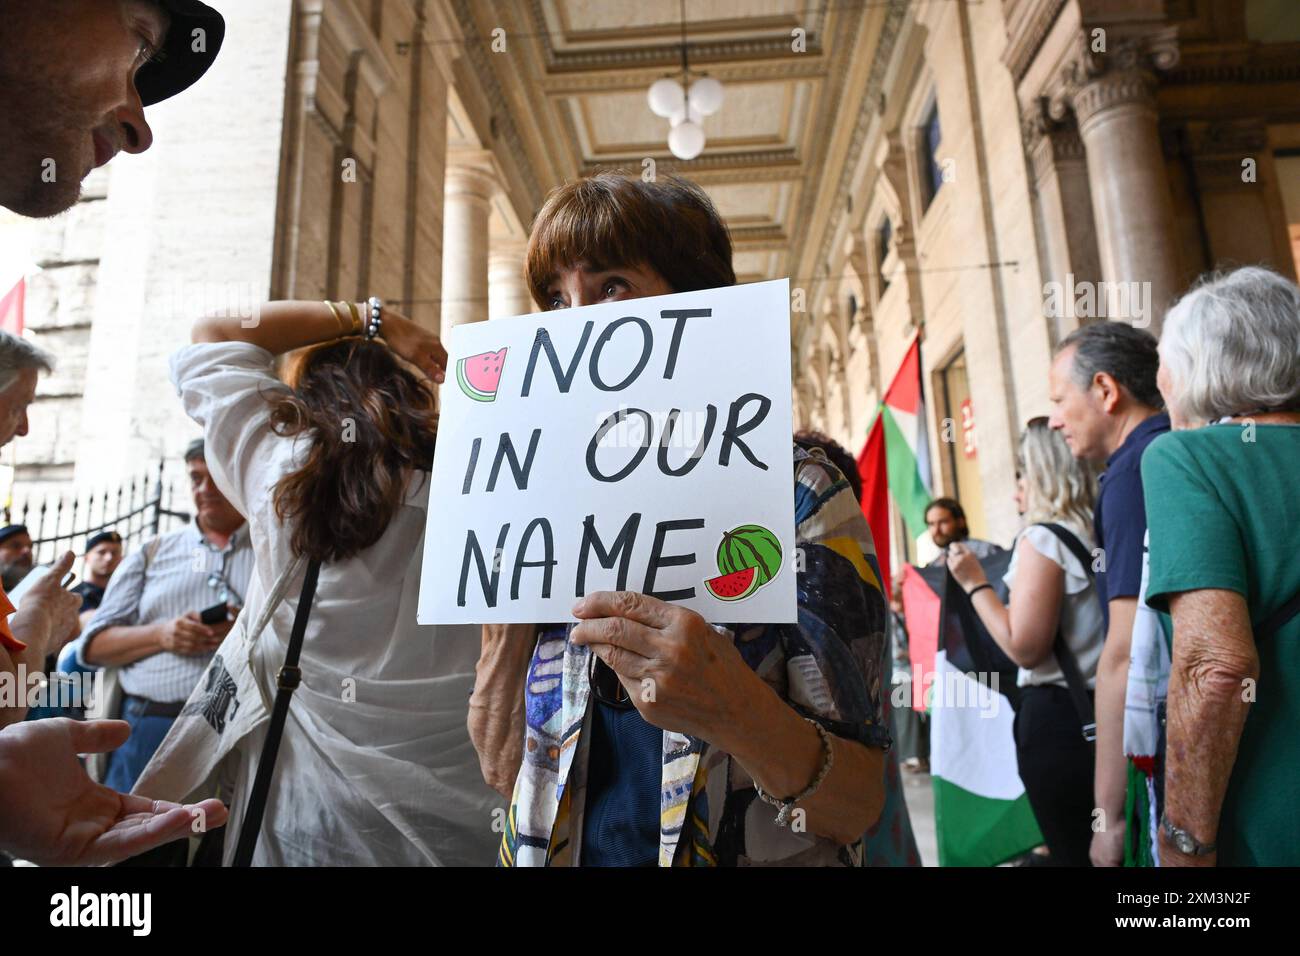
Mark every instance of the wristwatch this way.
pixel 1183 841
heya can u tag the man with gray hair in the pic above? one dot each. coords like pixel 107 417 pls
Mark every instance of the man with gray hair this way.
pixel 21 363
pixel 48 618
pixel 1106 405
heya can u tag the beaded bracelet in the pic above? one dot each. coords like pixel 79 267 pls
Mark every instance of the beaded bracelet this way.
pixel 376 323
pixel 786 807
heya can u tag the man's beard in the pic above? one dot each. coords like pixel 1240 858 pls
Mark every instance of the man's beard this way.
pixel 42 172
pixel 31 196
pixel 12 574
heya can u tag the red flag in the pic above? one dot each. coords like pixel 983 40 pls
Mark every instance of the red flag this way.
pixel 875 498
pixel 921 608
pixel 11 309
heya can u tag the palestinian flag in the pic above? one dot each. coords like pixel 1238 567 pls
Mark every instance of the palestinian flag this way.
pixel 982 816
pixel 897 457
pixel 921 607
pixel 907 447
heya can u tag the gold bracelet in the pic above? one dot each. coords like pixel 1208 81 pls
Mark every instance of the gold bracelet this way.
pixel 356 319
pixel 338 316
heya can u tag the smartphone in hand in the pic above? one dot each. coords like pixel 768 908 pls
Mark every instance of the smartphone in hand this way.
pixel 216 614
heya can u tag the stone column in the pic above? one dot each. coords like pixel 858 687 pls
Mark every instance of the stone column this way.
pixel 508 293
pixel 466 204
pixel 1063 205
pixel 1131 203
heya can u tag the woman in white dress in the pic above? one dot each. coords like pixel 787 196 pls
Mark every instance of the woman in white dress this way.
pixel 331 463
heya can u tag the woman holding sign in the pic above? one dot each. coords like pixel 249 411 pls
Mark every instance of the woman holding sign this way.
pixel 763 744
pixel 374 764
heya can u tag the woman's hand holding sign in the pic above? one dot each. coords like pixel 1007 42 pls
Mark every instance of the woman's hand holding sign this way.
pixel 702 687
pixel 681 674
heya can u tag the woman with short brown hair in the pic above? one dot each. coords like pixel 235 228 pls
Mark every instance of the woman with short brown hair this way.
pixel 763 743
pixel 668 227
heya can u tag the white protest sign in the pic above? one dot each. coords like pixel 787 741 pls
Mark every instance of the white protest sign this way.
pixel 643 445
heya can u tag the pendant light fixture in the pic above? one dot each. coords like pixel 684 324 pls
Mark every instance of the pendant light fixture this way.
pixel 684 104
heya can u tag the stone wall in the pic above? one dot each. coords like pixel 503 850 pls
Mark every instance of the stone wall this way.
pixel 1109 156
pixel 364 157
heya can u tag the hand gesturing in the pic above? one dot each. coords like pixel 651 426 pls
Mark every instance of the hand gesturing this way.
pixel 56 815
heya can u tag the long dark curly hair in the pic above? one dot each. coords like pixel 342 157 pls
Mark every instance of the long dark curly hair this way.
pixel 371 422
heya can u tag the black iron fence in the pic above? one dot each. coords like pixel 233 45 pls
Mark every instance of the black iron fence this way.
pixel 137 509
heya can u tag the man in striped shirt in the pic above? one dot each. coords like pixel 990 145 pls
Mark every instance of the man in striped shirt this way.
pixel 150 622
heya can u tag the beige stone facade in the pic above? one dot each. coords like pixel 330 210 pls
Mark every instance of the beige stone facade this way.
pixel 926 167
pixel 1103 147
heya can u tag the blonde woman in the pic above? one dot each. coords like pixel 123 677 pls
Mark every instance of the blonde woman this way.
pixel 1051 590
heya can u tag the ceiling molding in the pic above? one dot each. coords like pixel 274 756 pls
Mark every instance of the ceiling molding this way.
pixel 803 66
pixel 476 57
pixel 704 53
pixel 778 164
pixel 867 110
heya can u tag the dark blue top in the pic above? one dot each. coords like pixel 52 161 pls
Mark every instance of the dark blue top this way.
pixel 1120 521
pixel 91 595
pixel 620 825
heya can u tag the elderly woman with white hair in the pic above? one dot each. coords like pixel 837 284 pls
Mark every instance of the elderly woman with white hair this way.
pixel 1053 630
pixel 1221 508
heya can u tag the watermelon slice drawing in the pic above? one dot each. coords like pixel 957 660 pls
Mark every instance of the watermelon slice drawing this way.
pixel 750 546
pixel 479 376
pixel 748 557
pixel 735 586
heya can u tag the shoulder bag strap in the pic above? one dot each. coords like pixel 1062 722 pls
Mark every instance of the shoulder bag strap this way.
pixel 287 680
pixel 1065 658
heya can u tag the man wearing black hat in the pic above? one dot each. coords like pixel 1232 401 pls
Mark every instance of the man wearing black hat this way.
pixel 102 556
pixel 15 555
pixel 75 77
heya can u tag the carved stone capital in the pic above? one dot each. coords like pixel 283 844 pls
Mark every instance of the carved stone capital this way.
pixel 1098 51
pixel 1050 120
pixel 1117 88
pixel 1050 141
pixel 1105 71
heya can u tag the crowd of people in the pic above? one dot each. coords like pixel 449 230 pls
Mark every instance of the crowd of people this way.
pixel 1152 497
pixel 1151 566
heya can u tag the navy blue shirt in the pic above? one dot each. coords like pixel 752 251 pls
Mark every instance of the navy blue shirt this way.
pixel 1120 521
pixel 620 823
pixel 92 595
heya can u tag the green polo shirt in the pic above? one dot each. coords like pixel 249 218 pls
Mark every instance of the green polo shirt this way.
pixel 1222 512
